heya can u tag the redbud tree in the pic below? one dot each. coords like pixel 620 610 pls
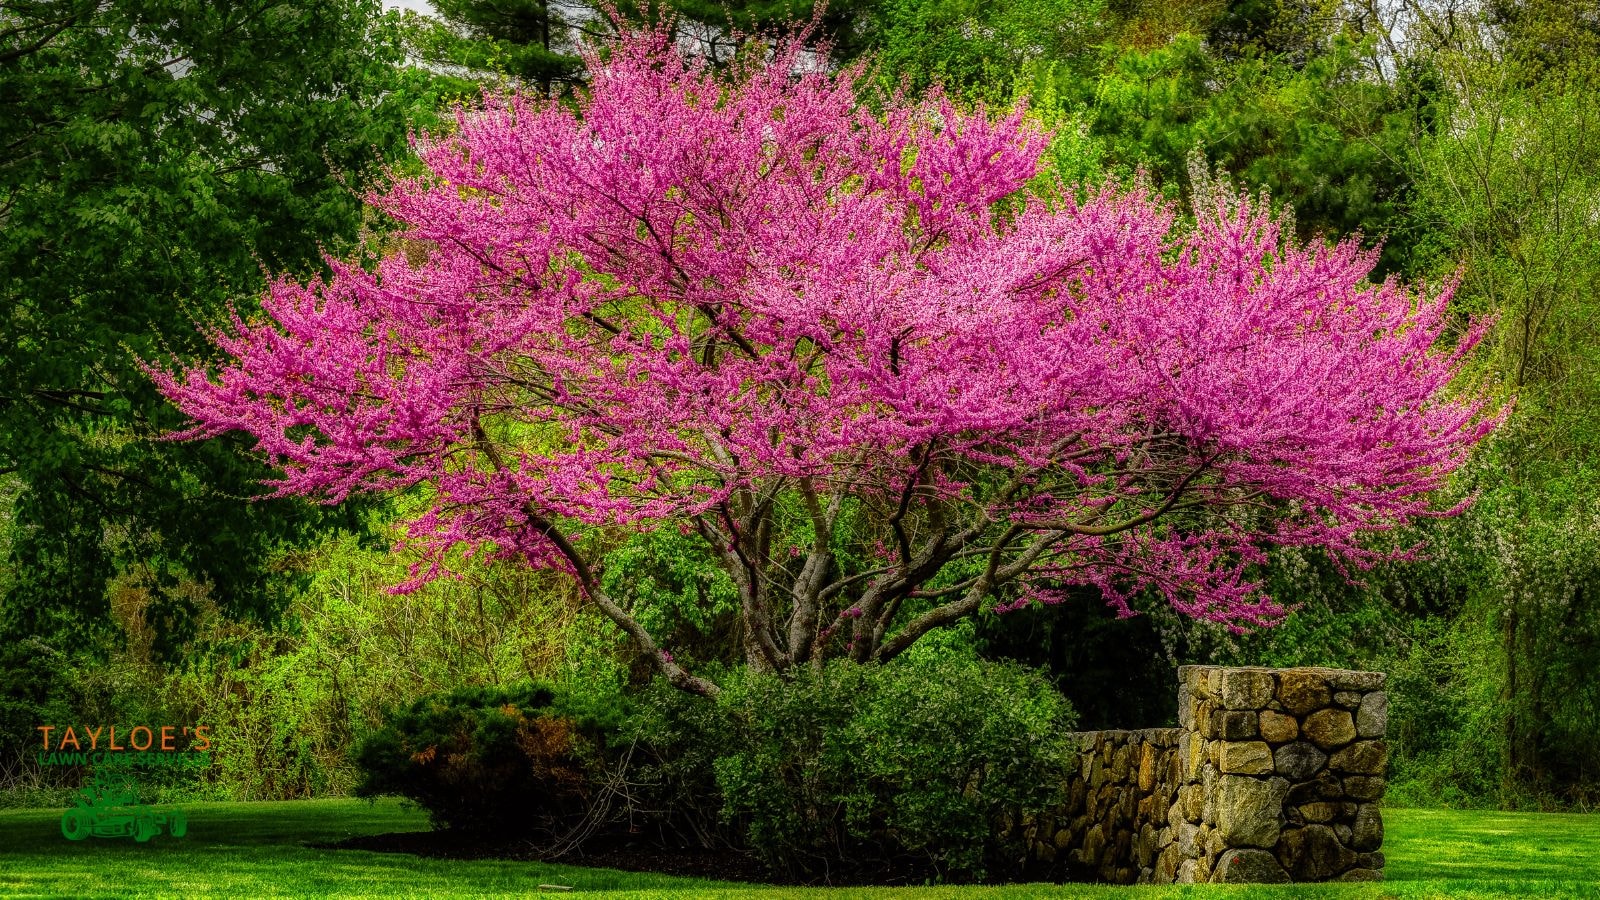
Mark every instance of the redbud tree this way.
pixel 887 378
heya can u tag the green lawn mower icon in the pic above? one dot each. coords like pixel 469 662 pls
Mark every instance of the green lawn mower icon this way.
pixel 110 808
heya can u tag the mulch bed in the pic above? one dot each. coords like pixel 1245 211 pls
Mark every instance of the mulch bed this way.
pixel 620 853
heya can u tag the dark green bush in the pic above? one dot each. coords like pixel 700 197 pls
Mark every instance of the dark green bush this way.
pixel 527 759
pixel 913 766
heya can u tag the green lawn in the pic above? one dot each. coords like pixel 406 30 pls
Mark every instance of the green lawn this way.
pixel 257 850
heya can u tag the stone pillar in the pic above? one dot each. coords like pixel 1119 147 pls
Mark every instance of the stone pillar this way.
pixel 1279 774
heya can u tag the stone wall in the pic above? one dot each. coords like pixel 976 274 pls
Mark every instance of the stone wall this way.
pixel 1272 775
pixel 1113 826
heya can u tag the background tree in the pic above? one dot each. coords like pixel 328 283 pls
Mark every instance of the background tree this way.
pixel 1512 193
pixel 1540 38
pixel 977 50
pixel 157 155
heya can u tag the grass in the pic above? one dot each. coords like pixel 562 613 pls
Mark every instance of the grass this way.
pixel 259 850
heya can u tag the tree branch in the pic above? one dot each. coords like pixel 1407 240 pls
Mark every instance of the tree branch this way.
pixel 676 674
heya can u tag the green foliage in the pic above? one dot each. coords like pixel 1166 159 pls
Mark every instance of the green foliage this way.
pixel 1509 192
pixel 1445 716
pixel 976 49
pixel 29 697
pixel 466 45
pixel 676 590
pixel 912 766
pixel 1319 137
pixel 1314 128
pixel 1546 39
pixel 158 156
pixel 714 25
pixel 1293 30
pixel 286 703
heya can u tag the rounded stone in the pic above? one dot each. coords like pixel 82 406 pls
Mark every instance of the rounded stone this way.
pixel 1187 872
pixel 1361 758
pixel 1214 844
pixel 1189 840
pixel 1246 758
pixel 1347 699
pixel 1362 875
pixel 1303 690
pixel 1248 867
pixel 1093 843
pixel 1166 867
pixel 1372 718
pixel 1147 768
pixel 1325 786
pixel 1314 853
pixel 1196 678
pixel 1363 787
pixel 1367 833
pixel 1329 728
pixel 1236 726
pixel 1350 680
pixel 1319 812
pixel 1249 810
pixel 1120 762
pixel 1246 688
pixel 1298 761
pixel 1278 728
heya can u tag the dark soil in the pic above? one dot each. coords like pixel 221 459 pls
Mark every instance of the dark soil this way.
pixel 633 853
pixel 609 853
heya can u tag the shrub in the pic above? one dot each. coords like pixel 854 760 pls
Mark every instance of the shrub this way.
pixel 527 758
pixel 918 766
pixel 675 740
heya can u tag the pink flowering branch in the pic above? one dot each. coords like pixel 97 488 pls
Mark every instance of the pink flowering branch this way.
pixel 752 307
